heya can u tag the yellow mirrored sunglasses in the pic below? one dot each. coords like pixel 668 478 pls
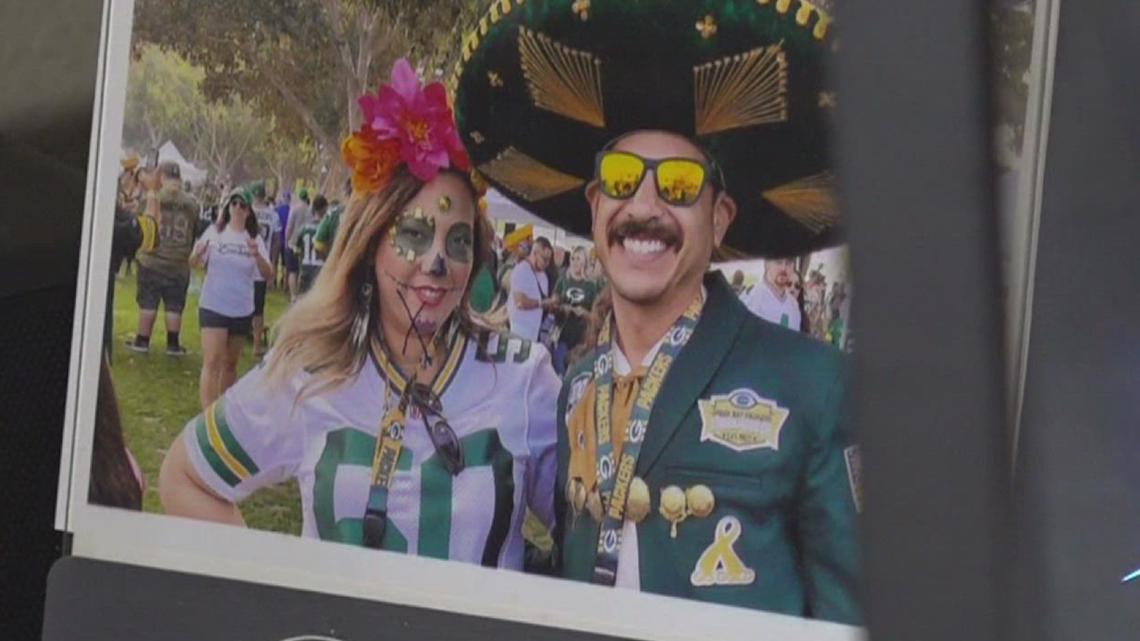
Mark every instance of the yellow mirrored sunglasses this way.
pixel 679 181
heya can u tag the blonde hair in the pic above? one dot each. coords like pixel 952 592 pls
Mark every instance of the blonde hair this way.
pixel 314 334
pixel 584 265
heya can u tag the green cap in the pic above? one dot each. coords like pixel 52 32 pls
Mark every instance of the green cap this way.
pixel 240 192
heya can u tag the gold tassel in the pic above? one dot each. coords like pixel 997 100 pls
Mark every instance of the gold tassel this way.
pixel 526 176
pixel 810 201
pixel 742 90
pixel 562 80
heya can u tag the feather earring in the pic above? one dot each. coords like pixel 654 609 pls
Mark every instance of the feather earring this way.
pixel 358 335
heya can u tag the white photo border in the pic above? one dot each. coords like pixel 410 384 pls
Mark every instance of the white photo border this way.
pixel 1022 242
pixel 225 551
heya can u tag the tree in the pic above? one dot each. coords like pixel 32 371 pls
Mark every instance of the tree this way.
pixel 286 160
pixel 302 61
pixel 165 102
pixel 223 133
pixel 162 100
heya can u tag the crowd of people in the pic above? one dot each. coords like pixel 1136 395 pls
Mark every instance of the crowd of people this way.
pixel 535 289
pixel 532 288
pixel 243 244
pixel 802 303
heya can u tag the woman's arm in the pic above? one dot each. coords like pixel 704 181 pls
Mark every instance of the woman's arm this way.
pixel 198 256
pixel 258 249
pixel 264 267
pixel 184 494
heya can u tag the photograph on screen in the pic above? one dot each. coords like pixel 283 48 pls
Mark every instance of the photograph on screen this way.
pixel 549 289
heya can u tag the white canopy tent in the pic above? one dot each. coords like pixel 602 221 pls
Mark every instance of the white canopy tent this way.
pixel 168 151
pixel 502 210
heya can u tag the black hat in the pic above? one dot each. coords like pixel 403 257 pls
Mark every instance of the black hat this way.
pixel 543 86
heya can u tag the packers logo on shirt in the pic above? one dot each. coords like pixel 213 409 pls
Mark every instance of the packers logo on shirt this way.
pixel 575 295
pixel 742 420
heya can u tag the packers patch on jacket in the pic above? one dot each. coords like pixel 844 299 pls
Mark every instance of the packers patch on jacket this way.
pixel 748 471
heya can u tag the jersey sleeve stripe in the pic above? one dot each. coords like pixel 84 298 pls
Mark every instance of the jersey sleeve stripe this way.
pixel 224 444
pixel 211 456
pixel 231 442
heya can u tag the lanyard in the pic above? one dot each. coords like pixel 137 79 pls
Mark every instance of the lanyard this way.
pixel 390 438
pixel 614 480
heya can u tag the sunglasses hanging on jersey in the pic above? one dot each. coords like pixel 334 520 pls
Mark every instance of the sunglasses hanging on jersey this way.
pixel 443 437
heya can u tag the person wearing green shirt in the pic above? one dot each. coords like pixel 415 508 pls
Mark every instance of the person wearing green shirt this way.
pixel 574 297
pixel 164 273
pixel 703 452
pixel 304 246
pixel 326 231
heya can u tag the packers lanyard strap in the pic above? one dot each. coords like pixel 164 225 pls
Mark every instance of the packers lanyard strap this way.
pixel 390 438
pixel 614 481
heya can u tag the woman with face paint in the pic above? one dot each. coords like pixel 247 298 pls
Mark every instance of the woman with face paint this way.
pixel 409 424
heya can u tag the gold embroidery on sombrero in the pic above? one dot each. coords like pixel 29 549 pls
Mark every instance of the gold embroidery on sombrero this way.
pixel 707 26
pixel 743 90
pixel 528 177
pixel 560 79
pixel 810 201
pixel 582 9
pixel 803 15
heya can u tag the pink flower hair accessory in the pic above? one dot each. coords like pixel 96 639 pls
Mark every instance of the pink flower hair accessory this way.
pixel 407 123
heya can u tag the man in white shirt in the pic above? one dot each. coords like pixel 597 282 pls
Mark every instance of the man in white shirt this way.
pixel 530 289
pixel 770 299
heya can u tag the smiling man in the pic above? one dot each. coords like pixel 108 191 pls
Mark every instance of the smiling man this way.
pixel 703 452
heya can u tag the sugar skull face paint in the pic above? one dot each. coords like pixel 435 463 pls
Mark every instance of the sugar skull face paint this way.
pixel 413 234
pixel 423 266
pixel 460 243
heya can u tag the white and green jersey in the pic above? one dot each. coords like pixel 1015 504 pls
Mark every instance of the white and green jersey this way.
pixel 498 394
pixel 306 244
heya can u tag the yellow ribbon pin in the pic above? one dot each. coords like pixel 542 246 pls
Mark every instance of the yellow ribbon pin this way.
pixel 719 564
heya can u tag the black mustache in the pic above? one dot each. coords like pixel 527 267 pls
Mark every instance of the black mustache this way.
pixel 643 229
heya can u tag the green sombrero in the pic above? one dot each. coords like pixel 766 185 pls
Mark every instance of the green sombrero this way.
pixel 542 86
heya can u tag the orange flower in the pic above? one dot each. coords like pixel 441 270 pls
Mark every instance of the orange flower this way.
pixel 372 161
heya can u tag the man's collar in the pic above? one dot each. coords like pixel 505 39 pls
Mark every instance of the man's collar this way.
pixel 621 363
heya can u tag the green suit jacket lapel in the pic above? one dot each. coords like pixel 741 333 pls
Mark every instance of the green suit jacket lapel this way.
pixel 713 337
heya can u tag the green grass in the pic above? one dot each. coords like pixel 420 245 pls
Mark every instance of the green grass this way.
pixel 158 394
